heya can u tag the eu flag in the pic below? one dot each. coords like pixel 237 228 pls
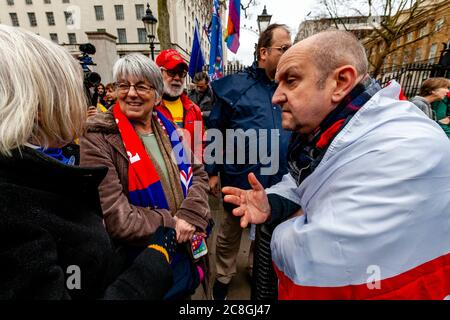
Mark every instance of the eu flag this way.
pixel 215 56
pixel 197 61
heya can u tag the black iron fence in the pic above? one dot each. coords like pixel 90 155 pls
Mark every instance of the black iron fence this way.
pixel 411 76
pixel 228 69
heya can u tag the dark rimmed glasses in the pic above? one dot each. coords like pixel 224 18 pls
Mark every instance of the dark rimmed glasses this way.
pixel 173 73
pixel 140 88
pixel 282 48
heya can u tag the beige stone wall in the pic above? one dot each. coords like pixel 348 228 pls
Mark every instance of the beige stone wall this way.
pixel 421 40
pixel 106 54
pixel 182 14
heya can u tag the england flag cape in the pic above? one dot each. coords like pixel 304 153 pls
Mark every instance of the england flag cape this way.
pixel 376 221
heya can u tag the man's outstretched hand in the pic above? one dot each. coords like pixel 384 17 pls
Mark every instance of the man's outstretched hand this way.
pixel 252 205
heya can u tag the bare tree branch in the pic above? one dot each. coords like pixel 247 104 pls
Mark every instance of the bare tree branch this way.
pixel 395 17
pixel 246 6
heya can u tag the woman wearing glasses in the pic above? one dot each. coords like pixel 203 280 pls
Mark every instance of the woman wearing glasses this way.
pixel 53 243
pixel 151 180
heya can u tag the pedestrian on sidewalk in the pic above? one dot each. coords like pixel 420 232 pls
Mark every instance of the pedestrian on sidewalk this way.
pixel 148 185
pixel 368 184
pixel 202 94
pixel 175 104
pixel 53 243
pixel 431 90
pixel 243 102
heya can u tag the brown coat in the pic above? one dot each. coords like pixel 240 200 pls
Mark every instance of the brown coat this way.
pixel 102 145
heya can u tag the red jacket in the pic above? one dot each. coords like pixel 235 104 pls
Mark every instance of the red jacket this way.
pixel 192 114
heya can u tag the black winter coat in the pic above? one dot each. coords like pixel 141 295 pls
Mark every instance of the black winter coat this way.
pixel 244 101
pixel 53 244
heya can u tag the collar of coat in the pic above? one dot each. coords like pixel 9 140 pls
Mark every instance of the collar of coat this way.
pixel 102 122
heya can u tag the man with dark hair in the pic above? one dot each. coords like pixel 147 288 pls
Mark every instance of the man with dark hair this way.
pixel 202 94
pixel 111 95
pixel 368 187
pixel 243 103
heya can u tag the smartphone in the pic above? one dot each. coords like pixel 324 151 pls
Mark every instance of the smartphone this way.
pixel 198 246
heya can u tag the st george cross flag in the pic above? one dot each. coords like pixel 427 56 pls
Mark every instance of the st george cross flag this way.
pixel 234 24
pixel 215 56
pixel 197 61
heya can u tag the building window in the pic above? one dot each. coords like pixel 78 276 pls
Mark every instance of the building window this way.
pixel 10 2
pixel 14 19
pixel 405 57
pixel 99 13
pixel 69 18
pixel 47 2
pixel 72 38
pixel 101 30
pixel 140 12
pixel 122 35
pixel 29 1
pixel 32 18
pixel 50 18
pixel 54 37
pixel 439 24
pixel 418 55
pixel 423 31
pixel 409 37
pixel 142 35
pixel 394 61
pixel 119 12
pixel 432 53
pixel 66 1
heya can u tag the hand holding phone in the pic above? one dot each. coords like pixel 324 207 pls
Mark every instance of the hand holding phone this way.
pixel 198 246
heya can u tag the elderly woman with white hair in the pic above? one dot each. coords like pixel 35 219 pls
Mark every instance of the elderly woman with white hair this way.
pixel 53 243
pixel 152 179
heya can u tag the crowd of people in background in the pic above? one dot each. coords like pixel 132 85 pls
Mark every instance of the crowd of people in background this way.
pixel 362 178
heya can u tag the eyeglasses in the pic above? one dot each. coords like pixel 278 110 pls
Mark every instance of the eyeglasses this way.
pixel 173 73
pixel 141 89
pixel 283 48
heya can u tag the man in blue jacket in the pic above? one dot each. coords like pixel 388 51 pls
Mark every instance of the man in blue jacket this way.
pixel 243 103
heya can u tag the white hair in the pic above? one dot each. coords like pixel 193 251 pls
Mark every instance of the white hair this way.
pixel 41 92
pixel 138 66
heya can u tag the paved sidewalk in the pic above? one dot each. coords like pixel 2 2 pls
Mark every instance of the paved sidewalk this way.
pixel 240 285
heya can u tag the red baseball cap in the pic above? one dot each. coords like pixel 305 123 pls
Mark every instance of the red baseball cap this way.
pixel 169 59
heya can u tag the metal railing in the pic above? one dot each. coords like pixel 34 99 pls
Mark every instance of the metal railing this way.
pixel 410 76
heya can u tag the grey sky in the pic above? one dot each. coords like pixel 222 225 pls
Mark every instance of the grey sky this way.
pixel 289 12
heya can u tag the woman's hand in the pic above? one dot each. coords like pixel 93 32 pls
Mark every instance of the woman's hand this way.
pixel 445 120
pixel 184 230
pixel 92 111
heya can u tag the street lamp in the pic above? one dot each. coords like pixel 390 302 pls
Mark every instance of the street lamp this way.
pixel 150 23
pixel 264 20
pixel 263 23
